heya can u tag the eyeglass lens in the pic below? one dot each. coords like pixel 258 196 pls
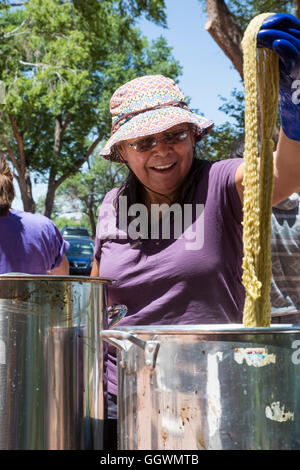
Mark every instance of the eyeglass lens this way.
pixel 169 138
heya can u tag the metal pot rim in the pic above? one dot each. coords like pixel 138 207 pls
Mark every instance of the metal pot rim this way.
pixel 37 277
pixel 211 329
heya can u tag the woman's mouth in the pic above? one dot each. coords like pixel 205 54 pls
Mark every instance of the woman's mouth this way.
pixel 163 168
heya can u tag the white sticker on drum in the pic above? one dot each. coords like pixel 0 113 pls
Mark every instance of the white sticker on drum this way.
pixel 256 357
pixel 213 392
pixel 296 355
pixel 277 413
pixel 2 352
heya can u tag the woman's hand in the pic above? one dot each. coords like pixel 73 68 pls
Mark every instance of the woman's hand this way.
pixel 281 33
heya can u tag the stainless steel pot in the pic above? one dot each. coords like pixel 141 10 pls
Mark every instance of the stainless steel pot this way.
pixel 208 387
pixel 51 368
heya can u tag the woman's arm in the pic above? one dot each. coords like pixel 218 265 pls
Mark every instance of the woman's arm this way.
pixel 63 268
pixel 286 170
pixel 95 269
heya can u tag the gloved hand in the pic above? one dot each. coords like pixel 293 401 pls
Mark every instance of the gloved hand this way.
pixel 281 33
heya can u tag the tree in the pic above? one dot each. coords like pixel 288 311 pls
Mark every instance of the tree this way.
pixel 226 140
pixel 61 61
pixel 228 20
pixel 86 189
pixel 226 23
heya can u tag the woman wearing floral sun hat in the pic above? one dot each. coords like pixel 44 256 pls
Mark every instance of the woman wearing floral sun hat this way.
pixel 180 279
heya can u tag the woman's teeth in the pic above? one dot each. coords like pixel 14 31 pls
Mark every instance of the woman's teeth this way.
pixel 163 167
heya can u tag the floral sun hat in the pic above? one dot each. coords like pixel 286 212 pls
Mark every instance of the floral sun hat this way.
pixel 148 105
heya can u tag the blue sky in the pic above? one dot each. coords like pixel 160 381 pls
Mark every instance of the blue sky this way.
pixel 207 72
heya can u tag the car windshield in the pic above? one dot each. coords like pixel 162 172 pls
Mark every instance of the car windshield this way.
pixel 80 248
pixel 75 231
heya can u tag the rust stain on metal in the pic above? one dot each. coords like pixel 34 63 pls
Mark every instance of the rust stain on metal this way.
pixel 185 415
pixel 200 440
pixel 164 434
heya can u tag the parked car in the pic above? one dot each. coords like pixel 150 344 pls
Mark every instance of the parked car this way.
pixel 74 231
pixel 80 255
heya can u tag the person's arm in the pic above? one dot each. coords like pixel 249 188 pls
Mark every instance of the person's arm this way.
pixel 62 269
pixel 95 269
pixel 286 170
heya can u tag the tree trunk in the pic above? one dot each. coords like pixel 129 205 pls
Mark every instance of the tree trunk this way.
pixel 60 127
pixel 26 191
pixel 297 8
pixel 89 202
pixel 49 202
pixel 225 30
pixel 92 220
pixel 54 183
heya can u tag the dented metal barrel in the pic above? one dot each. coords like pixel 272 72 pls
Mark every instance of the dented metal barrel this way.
pixel 218 387
pixel 51 362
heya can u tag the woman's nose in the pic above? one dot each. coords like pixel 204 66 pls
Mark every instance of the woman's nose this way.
pixel 161 148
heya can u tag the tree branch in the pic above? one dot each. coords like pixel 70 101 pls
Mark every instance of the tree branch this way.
pixel 10 153
pixel 14 32
pixel 80 162
pixel 60 127
pixel 297 8
pixel 67 121
pixel 19 140
pixel 31 64
pixel 224 29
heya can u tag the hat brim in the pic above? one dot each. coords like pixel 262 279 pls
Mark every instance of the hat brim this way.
pixel 153 122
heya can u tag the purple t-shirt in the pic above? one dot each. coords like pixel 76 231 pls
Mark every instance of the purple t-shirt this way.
pixel 29 243
pixel 181 280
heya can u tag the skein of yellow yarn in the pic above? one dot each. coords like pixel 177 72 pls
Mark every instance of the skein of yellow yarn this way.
pixel 261 79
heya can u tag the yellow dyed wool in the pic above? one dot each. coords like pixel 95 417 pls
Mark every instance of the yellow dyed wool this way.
pixel 261 79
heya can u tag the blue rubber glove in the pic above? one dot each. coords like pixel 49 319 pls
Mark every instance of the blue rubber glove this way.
pixel 281 33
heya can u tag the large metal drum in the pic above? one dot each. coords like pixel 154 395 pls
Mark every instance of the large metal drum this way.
pixel 51 387
pixel 208 387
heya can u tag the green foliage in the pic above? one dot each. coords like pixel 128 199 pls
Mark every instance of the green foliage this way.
pixel 226 140
pixel 220 143
pixel 94 182
pixel 86 189
pixel 58 216
pixel 61 62
pixel 61 222
pixel 245 10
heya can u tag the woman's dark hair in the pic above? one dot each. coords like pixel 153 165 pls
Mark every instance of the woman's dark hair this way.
pixel 7 192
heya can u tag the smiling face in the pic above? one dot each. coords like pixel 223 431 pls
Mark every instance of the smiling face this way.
pixel 163 167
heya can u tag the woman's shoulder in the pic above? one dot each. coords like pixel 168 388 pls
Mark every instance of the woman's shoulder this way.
pixel 33 221
pixel 107 206
pixel 221 170
pixel 110 195
pixel 220 165
pixel 32 217
pixel 218 183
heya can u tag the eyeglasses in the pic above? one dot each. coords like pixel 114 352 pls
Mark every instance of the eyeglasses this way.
pixel 169 138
